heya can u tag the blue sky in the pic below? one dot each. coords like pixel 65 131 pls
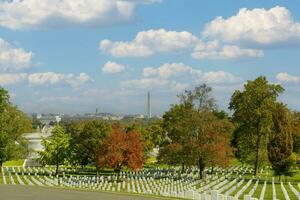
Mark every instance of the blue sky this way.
pixel 73 56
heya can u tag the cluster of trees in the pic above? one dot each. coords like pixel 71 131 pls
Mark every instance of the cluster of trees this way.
pixel 94 143
pixel 197 133
pixel 13 123
pixel 266 130
pixel 260 130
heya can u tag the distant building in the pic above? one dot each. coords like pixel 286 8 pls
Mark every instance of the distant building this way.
pixel 49 119
pixel 35 139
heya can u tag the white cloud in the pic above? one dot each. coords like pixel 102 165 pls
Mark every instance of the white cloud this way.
pixel 285 77
pixel 112 68
pixel 219 77
pixel 168 70
pixel 24 14
pixel 51 78
pixel 258 26
pixel 213 50
pixel 13 58
pixel 147 83
pixel 178 76
pixel 77 81
pixel 11 78
pixel 147 43
pixel 177 70
pixel 46 78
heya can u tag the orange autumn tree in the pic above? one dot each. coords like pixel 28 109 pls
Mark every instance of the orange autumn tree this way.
pixel 121 149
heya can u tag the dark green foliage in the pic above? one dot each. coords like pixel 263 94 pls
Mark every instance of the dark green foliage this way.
pixel 13 123
pixel 253 108
pixel 86 138
pixel 280 146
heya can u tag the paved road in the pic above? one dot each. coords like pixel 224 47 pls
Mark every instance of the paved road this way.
pixel 11 192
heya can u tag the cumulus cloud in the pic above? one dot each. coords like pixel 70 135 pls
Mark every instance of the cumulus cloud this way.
pixel 52 78
pixel 172 70
pixel 13 58
pixel 255 27
pixel 178 76
pixel 147 43
pixel 77 81
pixel 112 68
pixel 24 14
pixel 214 50
pixel 219 77
pixel 147 83
pixel 168 70
pixel 287 78
pixel 12 78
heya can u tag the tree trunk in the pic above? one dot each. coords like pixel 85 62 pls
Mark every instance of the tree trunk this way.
pixel 1 164
pixel 182 168
pixel 256 156
pixel 212 170
pixel 118 170
pixel 56 171
pixel 201 166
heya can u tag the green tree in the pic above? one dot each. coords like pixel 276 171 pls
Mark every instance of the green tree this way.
pixel 280 146
pixel 56 148
pixel 296 131
pixel 176 149
pixel 253 108
pixel 13 123
pixel 86 137
pixel 196 133
pixel 151 135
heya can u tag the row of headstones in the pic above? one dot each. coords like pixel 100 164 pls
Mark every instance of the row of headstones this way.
pixel 137 190
pixel 137 185
pixel 158 173
pixel 38 183
pixel 186 194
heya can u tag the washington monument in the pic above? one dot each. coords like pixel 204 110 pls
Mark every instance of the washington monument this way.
pixel 149 114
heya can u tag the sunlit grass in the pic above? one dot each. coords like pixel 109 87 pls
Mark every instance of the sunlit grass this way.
pixel 13 163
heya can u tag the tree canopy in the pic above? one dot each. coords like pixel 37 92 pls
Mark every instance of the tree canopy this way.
pixel 121 149
pixel 13 123
pixel 253 110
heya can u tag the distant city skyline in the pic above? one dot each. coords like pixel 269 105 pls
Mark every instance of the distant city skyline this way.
pixel 54 58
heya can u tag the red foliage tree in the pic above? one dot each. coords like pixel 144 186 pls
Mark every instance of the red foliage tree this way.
pixel 120 149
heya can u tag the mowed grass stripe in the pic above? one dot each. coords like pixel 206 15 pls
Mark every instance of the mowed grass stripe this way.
pixel 258 189
pixel 238 188
pixel 16 180
pixel 290 192
pixel 279 193
pixel 269 192
pixel 248 189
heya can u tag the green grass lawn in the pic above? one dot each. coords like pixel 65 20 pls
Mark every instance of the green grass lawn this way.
pixel 13 163
pixel 269 192
pixel 290 192
pixel 258 190
pixel 238 189
pixel 279 193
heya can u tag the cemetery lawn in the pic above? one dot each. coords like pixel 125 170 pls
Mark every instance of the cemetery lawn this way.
pixel 34 193
pixel 14 163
